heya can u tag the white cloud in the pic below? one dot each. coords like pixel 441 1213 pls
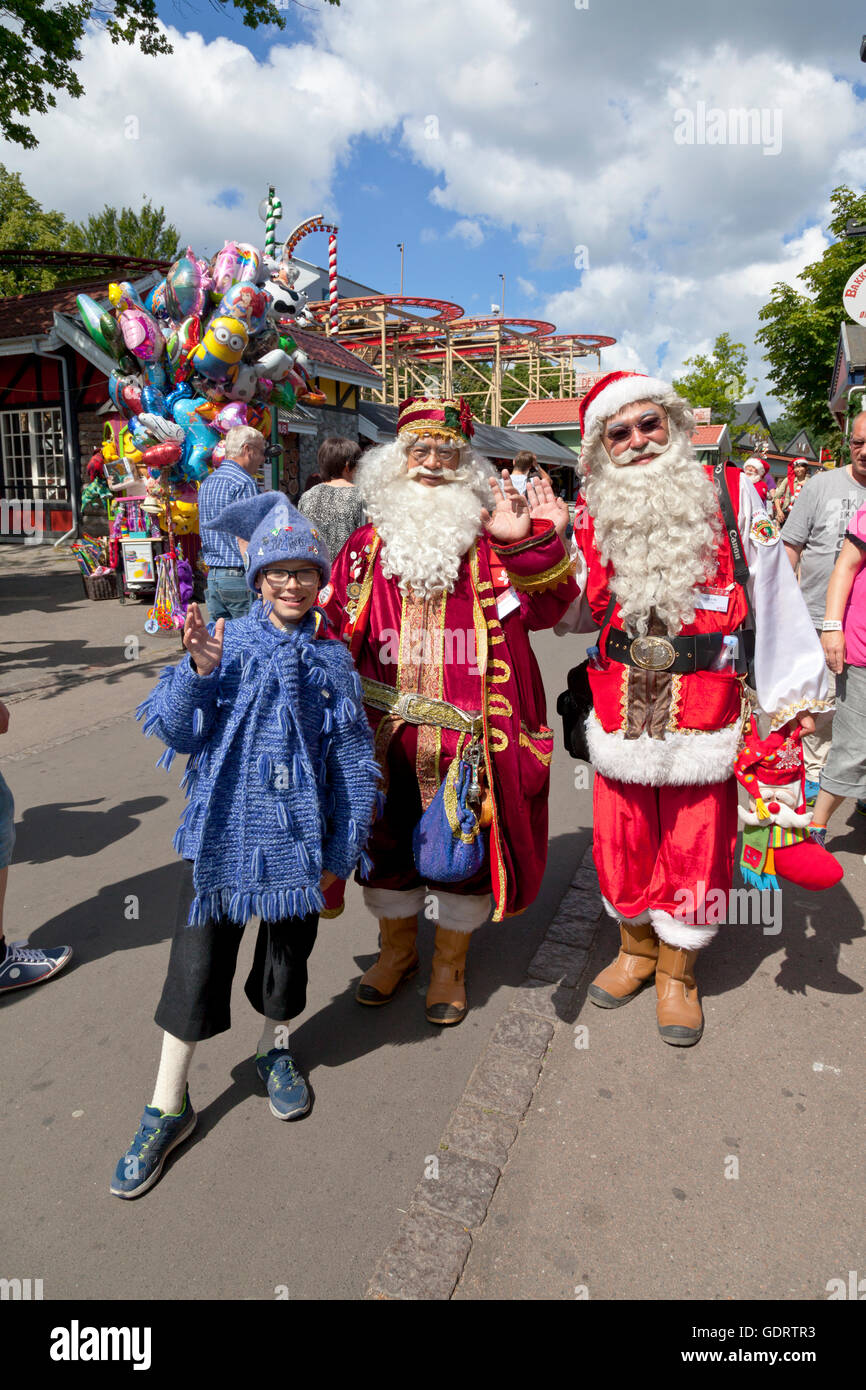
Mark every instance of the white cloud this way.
pixel 526 287
pixel 552 124
pixel 468 230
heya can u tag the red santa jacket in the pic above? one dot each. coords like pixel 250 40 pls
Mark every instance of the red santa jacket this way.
pixel 502 593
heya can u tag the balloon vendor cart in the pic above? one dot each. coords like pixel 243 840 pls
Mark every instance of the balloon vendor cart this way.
pixel 133 546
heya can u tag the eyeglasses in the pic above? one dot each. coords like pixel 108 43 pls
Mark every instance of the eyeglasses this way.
pixel 279 579
pixel 647 424
pixel 445 452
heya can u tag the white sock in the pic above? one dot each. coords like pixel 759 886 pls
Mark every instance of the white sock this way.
pixel 274 1034
pixel 174 1064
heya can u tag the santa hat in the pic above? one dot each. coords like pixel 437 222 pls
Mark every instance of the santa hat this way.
pixel 777 761
pixel 759 463
pixel 615 391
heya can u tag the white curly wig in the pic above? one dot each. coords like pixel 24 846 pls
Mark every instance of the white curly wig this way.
pixel 425 531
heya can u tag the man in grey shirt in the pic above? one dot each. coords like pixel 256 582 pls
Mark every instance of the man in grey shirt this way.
pixel 813 536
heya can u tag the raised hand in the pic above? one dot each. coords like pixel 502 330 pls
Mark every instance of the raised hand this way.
pixel 544 505
pixel 206 650
pixel 509 521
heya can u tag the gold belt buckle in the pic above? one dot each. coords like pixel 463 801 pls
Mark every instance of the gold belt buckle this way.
pixel 403 707
pixel 653 653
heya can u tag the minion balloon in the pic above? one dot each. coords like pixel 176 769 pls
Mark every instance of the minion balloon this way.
pixel 220 349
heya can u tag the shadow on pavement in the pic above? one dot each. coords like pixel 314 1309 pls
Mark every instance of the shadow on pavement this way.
pixel 60 828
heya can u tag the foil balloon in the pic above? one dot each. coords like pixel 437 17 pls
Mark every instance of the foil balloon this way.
pixel 243 385
pixel 122 295
pixel 184 339
pixel 275 365
pixel 125 393
pixel 162 455
pixel 161 430
pixel 141 334
pixel 153 401
pixel 219 454
pixel 182 392
pixel 247 303
pixel 283 395
pixel 231 415
pixel 220 349
pixel 93 317
pixel 185 287
pixel 233 264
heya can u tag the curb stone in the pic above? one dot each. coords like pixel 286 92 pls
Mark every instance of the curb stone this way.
pixel 426 1258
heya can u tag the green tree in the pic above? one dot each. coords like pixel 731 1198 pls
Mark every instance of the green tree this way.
pixel 717 381
pixel 25 226
pixel 127 233
pixel 39 43
pixel 801 331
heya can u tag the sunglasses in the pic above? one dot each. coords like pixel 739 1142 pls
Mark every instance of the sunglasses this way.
pixel 647 424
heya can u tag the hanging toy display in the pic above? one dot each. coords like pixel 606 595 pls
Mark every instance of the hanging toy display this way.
pixel 776 840
pixel 168 610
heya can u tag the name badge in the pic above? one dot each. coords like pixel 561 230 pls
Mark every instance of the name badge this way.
pixel 507 602
pixel 715 603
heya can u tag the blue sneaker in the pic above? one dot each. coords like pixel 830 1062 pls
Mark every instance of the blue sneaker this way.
pixel 861 807
pixel 287 1089
pixel 157 1135
pixel 812 790
pixel 25 965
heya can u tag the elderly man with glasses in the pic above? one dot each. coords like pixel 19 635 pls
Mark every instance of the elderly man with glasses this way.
pixel 436 598
pixel 683 571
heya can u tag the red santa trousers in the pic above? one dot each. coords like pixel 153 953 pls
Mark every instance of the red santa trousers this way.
pixel 660 850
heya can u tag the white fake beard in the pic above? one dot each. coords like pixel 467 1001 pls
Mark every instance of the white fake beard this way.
pixel 657 523
pixel 425 531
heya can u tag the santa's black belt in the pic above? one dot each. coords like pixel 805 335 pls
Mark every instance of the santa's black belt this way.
pixel 679 655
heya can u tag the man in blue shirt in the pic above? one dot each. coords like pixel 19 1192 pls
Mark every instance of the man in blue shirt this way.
pixel 227 594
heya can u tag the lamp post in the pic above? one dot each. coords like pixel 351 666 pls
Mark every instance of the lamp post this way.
pixel 502 300
pixel 400 249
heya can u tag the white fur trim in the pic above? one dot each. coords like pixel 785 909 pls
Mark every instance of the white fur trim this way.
pixel 639 921
pixel 678 933
pixel 677 760
pixel 462 911
pixel 394 902
pixel 622 393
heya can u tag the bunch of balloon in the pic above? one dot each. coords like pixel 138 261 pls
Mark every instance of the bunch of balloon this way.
pixel 207 348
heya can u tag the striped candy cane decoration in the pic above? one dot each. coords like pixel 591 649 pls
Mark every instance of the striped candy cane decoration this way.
pixel 275 212
pixel 333 317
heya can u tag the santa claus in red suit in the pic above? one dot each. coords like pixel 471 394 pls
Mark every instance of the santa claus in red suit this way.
pixel 436 599
pixel 654 560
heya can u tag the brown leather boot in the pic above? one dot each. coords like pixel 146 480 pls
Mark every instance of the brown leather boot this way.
pixel 681 1021
pixel 633 968
pixel 398 961
pixel 446 997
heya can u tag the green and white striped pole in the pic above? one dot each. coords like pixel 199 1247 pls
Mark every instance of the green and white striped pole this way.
pixel 275 212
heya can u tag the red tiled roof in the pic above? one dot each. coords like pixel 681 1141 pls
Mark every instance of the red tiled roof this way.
pixel 29 315
pixel 548 413
pixel 704 436
pixel 326 353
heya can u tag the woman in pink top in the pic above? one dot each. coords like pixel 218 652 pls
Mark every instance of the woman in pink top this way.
pixel 844 643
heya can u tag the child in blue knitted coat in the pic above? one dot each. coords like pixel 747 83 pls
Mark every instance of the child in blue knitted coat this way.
pixel 282 790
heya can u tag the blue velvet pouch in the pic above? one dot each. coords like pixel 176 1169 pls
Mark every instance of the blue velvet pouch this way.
pixel 448 843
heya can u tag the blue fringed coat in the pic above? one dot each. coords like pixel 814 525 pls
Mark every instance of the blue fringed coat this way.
pixel 281 780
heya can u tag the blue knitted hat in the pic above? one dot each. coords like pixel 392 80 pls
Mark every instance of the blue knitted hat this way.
pixel 276 531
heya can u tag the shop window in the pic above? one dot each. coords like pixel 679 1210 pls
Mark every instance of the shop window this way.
pixel 32 455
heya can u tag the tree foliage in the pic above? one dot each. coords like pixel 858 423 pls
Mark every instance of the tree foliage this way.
pixel 39 43
pixel 127 233
pixel 801 331
pixel 25 226
pixel 717 381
